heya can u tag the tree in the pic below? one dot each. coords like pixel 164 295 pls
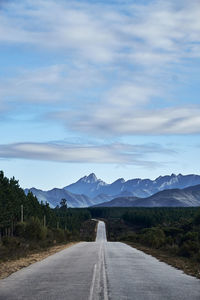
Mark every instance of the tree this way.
pixel 63 204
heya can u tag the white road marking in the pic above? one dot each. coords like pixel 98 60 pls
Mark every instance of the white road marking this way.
pixel 98 289
pixel 93 282
pixel 104 279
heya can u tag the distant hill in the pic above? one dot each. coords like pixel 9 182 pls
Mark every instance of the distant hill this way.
pixel 187 197
pixel 54 196
pixel 92 187
pixel 89 190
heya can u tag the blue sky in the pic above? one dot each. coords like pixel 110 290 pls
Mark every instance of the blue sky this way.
pixel 110 87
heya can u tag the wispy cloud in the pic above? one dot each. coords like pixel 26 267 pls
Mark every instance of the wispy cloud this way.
pixel 110 153
pixel 101 32
pixel 52 85
pixel 134 49
pixel 108 121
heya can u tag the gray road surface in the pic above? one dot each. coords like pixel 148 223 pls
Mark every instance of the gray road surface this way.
pixel 100 270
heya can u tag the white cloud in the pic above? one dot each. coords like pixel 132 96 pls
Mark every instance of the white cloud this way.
pixel 99 32
pixel 52 84
pixel 128 95
pixel 133 122
pixel 133 49
pixel 111 153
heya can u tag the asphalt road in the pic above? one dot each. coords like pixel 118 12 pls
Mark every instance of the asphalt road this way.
pixel 100 270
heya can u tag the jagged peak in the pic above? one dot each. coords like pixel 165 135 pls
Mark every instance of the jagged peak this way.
pixel 166 176
pixel 91 178
pixel 120 180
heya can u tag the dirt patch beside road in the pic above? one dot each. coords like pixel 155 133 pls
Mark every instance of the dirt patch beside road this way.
pixel 11 266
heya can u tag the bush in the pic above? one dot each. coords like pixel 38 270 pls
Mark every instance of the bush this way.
pixel 198 257
pixel 34 230
pixel 191 236
pixel 130 237
pixel 172 231
pixel 10 242
pixel 20 229
pixel 50 234
pixel 67 234
pixel 197 219
pixel 169 241
pixel 189 249
pixel 153 237
pixel 75 235
pixel 59 235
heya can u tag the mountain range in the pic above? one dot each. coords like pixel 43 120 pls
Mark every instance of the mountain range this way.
pixel 188 197
pixel 90 191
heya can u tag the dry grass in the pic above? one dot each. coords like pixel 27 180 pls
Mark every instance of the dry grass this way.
pixel 11 266
pixel 188 266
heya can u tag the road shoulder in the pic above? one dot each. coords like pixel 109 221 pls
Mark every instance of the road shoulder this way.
pixel 11 266
pixel 181 263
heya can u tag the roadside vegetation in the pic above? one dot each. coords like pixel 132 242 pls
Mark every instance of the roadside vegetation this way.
pixel 171 234
pixel 27 226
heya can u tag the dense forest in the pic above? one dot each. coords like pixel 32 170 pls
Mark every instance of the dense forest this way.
pixel 173 233
pixel 177 229
pixel 24 222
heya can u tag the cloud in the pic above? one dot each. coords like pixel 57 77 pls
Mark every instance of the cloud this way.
pixel 118 122
pixel 120 58
pixel 100 32
pixel 109 153
pixel 65 26
pixel 52 85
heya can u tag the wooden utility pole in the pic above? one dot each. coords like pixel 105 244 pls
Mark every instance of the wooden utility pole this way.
pixel 22 213
pixel 12 227
pixel 44 221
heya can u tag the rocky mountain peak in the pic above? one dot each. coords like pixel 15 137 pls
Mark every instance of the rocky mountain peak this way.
pixel 120 180
pixel 89 179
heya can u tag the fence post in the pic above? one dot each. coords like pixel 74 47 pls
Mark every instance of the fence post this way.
pixel 12 227
pixel 22 213
pixel 44 221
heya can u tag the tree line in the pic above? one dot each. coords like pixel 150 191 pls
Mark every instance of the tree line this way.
pixel 174 230
pixel 16 207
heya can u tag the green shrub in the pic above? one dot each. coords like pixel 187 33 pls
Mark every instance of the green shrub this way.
pixel 198 257
pixel 196 220
pixel 67 234
pixel 10 242
pixel 153 237
pixel 192 236
pixel 34 230
pixel 50 234
pixel 130 237
pixel 169 241
pixel 189 249
pixel 20 229
pixel 59 235
pixel 172 231
pixel 75 235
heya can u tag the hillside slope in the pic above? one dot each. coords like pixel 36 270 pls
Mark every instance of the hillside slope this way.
pixel 187 197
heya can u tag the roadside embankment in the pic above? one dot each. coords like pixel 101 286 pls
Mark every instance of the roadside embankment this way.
pixel 185 264
pixel 10 266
